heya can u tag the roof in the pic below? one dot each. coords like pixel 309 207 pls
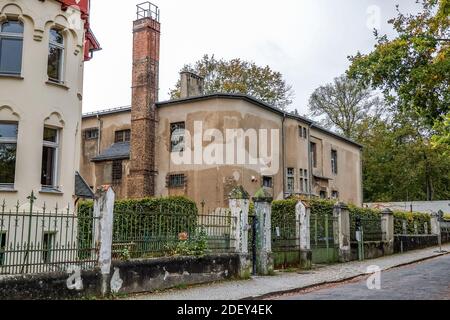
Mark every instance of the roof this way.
pixel 118 151
pixel 106 112
pixel 260 103
pixel 82 189
pixel 237 96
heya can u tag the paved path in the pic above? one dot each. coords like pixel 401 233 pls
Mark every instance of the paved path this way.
pixel 427 280
pixel 261 286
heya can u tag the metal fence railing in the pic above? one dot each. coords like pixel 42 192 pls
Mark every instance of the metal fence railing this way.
pixel 33 241
pixel 148 233
pixel 371 228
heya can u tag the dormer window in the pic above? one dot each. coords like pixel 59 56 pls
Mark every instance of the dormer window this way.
pixel 11 46
pixel 56 56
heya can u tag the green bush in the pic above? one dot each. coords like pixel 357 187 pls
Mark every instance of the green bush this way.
pixel 411 218
pixel 145 225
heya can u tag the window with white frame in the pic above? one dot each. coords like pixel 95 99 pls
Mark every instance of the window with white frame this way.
pixel 50 158
pixel 304 181
pixel 11 47
pixel 8 148
pixel 56 56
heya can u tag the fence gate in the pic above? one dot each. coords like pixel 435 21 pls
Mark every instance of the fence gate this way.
pixel 324 246
pixel 285 241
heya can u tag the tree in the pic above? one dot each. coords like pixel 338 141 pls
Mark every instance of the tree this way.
pixel 244 77
pixel 344 104
pixel 399 162
pixel 412 70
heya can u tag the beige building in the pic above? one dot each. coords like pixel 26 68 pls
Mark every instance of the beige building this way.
pixel 305 159
pixel 43 45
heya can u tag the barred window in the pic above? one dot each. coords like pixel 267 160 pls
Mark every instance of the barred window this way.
pixel 117 171
pixel 177 137
pixel 176 180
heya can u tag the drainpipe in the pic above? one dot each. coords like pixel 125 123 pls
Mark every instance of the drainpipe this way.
pixel 99 134
pixel 361 179
pixel 310 167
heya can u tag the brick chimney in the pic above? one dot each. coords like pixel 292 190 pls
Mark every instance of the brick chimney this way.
pixel 191 85
pixel 146 41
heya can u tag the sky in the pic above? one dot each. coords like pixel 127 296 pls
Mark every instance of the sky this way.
pixel 308 41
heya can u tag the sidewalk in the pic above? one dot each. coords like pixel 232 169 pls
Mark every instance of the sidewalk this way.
pixel 284 282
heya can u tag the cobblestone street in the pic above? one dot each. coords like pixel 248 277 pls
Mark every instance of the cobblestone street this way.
pixel 427 280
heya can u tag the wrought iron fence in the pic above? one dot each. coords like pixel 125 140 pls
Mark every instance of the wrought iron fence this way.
pixel 371 228
pixel 143 233
pixel 37 241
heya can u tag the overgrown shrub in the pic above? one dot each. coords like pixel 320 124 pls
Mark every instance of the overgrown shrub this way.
pixel 411 218
pixel 145 225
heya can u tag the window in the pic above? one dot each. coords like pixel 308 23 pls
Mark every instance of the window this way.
pixel 314 154
pixel 47 246
pixel 117 171
pixel 267 182
pixel 122 136
pixel 50 158
pixel 2 248
pixel 323 194
pixel 334 161
pixel 177 137
pixel 91 134
pixel 300 130
pixel 56 56
pixel 8 147
pixel 290 180
pixel 304 186
pixel 303 132
pixel 11 46
pixel 335 194
pixel 176 180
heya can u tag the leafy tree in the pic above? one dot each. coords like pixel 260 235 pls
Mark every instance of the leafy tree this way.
pixel 412 70
pixel 400 163
pixel 344 104
pixel 244 77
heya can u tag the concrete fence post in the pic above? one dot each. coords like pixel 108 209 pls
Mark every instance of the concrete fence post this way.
pixel 239 202
pixel 387 228
pixel 342 232
pixel 263 211
pixel 303 219
pixel 436 224
pixel 104 213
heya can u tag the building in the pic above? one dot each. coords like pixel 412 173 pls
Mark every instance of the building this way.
pixel 43 45
pixel 202 146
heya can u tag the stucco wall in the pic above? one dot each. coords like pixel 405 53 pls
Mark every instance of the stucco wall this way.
pixel 212 183
pixel 33 102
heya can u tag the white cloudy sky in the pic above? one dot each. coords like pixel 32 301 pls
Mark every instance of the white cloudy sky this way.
pixel 308 41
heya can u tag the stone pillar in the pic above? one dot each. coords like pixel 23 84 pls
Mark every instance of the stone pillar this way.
pixel 104 212
pixel 263 211
pixel 387 227
pixel 342 231
pixel 435 224
pixel 239 205
pixel 303 219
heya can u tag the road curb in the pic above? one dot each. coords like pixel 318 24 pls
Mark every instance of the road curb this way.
pixel 285 292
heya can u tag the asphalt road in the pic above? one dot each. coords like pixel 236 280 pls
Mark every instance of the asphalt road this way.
pixel 427 280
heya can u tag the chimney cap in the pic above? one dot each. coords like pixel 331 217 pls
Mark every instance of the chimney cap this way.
pixel 192 74
pixel 147 10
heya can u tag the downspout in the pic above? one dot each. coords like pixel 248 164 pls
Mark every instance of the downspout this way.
pixel 99 134
pixel 310 169
pixel 361 179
